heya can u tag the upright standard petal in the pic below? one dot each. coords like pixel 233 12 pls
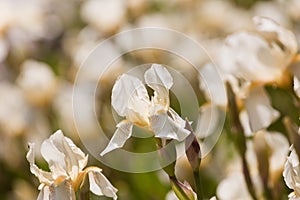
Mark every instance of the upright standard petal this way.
pixel 99 184
pixel 160 80
pixel 121 135
pixel 126 89
pixel 62 155
pixel 258 106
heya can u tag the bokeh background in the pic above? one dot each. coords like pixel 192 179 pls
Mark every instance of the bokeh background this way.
pixel 44 42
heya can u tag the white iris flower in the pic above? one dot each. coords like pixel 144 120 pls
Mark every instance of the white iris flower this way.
pixel 67 174
pixel 130 100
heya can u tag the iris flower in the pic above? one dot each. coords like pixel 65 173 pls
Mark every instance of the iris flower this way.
pixel 130 100
pixel 291 174
pixel 67 170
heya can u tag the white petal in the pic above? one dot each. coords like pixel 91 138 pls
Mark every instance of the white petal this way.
pixel 158 75
pixel 44 194
pixel 63 156
pixel 63 191
pixel 99 184
pixel 160 80
pixel 43 176
pixel 249 56
pixel 286 37
pixel 261 113
pixel 54 158
pixel 291 171
pixel 280 147
pixel 121 135
pixel 297 86
pixel 126 91
pixel 212 85
pixel 233 187
pixel 169 125
pixel 207 121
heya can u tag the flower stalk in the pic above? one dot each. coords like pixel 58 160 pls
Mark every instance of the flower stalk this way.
pixel 193 153
pixel 239 137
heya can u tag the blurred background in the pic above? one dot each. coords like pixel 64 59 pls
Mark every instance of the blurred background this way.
pixel 44 42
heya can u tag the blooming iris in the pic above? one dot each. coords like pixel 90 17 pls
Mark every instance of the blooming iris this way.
pixel 130 100
pixel 67 174
pixel 291 175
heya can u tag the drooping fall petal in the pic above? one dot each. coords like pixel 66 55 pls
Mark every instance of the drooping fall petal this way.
pixel 99 184
pixel 121 135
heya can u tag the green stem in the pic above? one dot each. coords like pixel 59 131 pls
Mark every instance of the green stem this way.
pixel 196 174
pixel 177 189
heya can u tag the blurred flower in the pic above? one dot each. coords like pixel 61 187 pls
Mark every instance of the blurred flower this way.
pixel 249 60
pixel 37 81
pixel 105 15
pixel 130 99
pixel 13 110
pixel 291 174
pixel 233 186
pixel 262 56
pixel 67 173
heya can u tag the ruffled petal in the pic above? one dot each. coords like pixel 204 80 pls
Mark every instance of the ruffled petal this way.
pixel 121 135
pixel 43 176
pixel 129 91
pixel 169 125
pixel 258 106
pixel 160 80
pixel 63 156
pixel 99 184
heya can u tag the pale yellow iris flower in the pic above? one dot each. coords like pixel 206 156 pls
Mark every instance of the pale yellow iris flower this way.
pixel 67 170
pixel 130 100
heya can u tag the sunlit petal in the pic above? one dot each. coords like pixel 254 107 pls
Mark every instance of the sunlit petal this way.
pixel 210 84
pixel 169 125
pixel 258 106
pixel 44 194
pixel 63 156
pixel 121 135
pixel 160 80
pixel 126 90
pixel 99 184
pixel 43 176
pixel 271 29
